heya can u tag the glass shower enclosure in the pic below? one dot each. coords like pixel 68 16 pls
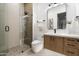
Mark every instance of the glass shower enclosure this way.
pixel 3 41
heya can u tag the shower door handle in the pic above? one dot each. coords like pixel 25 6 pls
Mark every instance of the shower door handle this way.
pixel 7 28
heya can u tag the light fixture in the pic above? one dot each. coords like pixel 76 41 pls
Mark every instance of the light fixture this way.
pixel 55 4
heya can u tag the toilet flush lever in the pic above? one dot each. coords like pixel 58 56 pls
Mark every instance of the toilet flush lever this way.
pixel 7 28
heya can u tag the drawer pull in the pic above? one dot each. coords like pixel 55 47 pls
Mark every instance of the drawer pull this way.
pixel 70 45
pixel 70 52
pixel 71 40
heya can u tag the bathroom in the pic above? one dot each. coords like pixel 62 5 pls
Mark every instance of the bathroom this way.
pixel 26 27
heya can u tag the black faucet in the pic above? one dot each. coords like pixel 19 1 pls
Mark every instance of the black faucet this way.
pixel 54 30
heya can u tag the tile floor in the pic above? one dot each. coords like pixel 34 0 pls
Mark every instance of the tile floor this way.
pixel 43 52
pixel 17 50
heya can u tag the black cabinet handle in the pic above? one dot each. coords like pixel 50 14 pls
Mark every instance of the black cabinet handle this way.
pixel 70 45
pixel 71 40
pixel 7 28
pixel 71 52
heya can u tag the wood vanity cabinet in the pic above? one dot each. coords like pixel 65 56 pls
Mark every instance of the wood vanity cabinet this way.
pixel 64 45
pixel 70 47
pixel 70 51
pixel 58 44
pixel 49 42
pixel 53 43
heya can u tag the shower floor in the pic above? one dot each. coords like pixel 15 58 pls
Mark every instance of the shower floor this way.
pixel 17 50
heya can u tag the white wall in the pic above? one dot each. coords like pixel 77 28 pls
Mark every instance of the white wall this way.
pixel 39 13
pixel 12 20
pixel 72 12
pixel 35 30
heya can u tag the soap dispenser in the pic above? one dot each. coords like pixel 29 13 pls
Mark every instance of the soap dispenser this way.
pixel 54 30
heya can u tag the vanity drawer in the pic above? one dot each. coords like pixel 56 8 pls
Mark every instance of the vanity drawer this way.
pixel 70 40
pixel 70 51
pixel 70 43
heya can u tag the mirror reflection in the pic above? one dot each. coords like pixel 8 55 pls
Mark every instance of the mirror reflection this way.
pixel 56 16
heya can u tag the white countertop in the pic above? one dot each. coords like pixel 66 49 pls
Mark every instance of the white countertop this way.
pixel 63 35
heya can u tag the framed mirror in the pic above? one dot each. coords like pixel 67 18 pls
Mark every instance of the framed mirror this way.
pixel 56 16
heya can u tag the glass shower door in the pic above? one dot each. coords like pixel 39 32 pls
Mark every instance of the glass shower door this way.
pixel 3 41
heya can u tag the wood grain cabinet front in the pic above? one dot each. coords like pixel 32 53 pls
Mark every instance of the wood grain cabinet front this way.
pixel 70 51
pixel 49 42
pixel 71 46
pixel 70 42
pixel 54 43
pixel 59 44
pixel 64 45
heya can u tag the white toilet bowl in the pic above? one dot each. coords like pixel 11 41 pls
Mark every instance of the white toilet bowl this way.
pixel 37 46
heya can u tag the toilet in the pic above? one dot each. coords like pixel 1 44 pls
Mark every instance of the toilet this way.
pixel 37 46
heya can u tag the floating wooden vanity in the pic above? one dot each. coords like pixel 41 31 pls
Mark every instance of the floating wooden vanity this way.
pixel 62 44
